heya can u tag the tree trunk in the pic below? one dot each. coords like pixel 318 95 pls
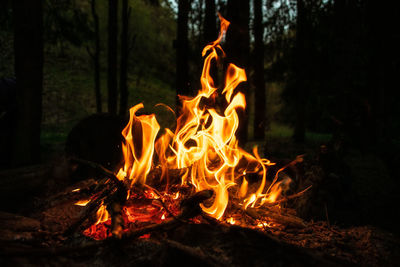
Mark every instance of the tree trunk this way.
pixel 237 51
pixel 123 82
pixel 300 88
pixel 210 32
pixel 259 81
pixel 28 49
pixel 210 22
pixel 96 57
pixel 112 55
pixel 182 47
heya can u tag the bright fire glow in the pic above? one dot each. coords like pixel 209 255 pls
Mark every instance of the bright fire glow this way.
pixel 82 202
pixel 203 145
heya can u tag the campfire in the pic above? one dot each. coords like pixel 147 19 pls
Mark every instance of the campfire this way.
pixel 200 159
pixel 186 195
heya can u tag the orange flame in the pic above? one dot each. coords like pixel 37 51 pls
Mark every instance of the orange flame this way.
pixel 203 144
pixel 139 134
pixel 102 214
pixel 82 202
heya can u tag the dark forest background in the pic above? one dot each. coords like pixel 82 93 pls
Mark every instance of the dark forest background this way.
pixel 323 75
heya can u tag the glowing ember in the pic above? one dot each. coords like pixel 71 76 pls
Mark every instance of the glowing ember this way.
pixel 203 146
pixel 83 202
pixel 230 220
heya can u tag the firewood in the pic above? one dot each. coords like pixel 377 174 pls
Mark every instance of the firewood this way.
pixel 70 195
pixel 190 208
pixel 288 220
pixel 287 198
pixel 97 167
pixel 114 198
pixel 90 209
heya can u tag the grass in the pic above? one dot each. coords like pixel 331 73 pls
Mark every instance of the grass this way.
pixel 69 96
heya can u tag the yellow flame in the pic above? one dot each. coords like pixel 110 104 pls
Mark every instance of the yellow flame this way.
pixel 82 202
pixel 138 149
pixel 102 214
pixel 231 220
pixel 204 144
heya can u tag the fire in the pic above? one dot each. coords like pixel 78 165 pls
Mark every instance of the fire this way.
pixel 102 214
pixel 231 220
pixel 138 150
pixel 203 146
pixel 82 202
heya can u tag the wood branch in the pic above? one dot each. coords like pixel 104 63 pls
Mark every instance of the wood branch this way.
pixel 114 207
pixel 288 220
pixel 191 206
pixel 287 198
pixel 71 194
pixel 91 209
pixel 97 167
pixel 113 198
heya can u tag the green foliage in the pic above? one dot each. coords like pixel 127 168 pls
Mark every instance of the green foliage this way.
pixel 66 21
pixel 68 72
pixel 155 30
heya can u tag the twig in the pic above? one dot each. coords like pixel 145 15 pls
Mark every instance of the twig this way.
pixel 100 168
pixel 92 207
pixel 287 198
pixel 287 220
pixel 114 198
pixel 327 216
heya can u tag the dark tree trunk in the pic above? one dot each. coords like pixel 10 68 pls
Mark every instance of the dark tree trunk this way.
pixel 299 87
pixel 210 32
pixel 259 81
pixel 123 82
pixel 112 55
pixel 210 22
pixel 182 47
pixel 237 51
pixel 28 49
pixel 96 57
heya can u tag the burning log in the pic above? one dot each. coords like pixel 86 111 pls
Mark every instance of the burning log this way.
pixel 111 194
pixel 190 208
